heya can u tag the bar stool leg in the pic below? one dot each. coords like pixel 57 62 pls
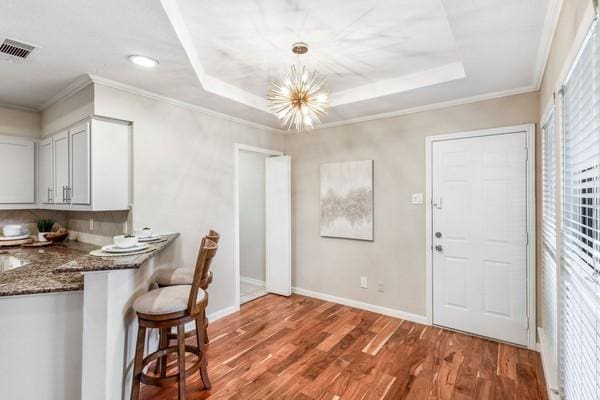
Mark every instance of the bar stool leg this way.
pixel 205 327
pixel 201 339
pixel 181 359
pixel 137 364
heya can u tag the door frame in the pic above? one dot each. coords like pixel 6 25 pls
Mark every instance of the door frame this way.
pixel 529 129
pixel 237 147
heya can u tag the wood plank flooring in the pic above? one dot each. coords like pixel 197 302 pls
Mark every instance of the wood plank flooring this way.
pixel 300 348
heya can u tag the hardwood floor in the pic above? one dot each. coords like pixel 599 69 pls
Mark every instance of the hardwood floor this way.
pixel 302 348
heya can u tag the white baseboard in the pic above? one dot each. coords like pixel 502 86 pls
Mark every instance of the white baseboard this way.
pixel 420 319
pixel 252 281
pixel 190 326
pixel 221 313
pixel 550 383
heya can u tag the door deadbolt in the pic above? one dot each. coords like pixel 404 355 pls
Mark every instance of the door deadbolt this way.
pixel 438 235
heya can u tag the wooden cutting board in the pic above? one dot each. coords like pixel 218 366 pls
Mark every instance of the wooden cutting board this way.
pixel 7 243
pixel 37 244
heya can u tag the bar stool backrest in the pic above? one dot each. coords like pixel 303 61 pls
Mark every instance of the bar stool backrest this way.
pixel 208 249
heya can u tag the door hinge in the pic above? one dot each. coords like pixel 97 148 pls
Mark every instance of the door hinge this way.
pixel 526 153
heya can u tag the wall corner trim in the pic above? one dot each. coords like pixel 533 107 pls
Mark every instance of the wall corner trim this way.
pixel 419 319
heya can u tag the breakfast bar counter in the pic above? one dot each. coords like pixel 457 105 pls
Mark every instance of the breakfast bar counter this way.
pixel 68 316
pixel 57 268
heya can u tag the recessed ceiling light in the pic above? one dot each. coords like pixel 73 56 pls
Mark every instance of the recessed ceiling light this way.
pixel 143 61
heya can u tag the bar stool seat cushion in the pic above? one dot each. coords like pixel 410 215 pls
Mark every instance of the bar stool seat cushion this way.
pixel 176 276
pixel 166 300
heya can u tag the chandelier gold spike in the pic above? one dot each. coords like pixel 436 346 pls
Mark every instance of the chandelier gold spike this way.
pixel 299 99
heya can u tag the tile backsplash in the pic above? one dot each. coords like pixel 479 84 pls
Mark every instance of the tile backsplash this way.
pixel 105 225
pixel 29 218
pixel 97 227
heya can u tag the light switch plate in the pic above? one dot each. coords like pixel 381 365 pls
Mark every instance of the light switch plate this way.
pixel 417 198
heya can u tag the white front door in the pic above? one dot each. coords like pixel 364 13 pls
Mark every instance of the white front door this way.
pixel 479 228
pixel 278 225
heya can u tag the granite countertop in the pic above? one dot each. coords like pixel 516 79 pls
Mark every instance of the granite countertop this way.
pixel 58 268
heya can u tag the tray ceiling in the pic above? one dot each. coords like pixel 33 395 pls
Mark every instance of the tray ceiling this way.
pixel 379 56
pixel 364 49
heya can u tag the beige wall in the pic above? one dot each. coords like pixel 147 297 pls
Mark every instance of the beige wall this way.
pixel 572 16
pixel 397 146
pixel 183 173
pixel 15 122
pixel 68 111
pixel 252 215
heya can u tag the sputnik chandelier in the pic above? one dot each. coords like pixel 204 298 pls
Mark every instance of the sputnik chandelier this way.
pixel 300 99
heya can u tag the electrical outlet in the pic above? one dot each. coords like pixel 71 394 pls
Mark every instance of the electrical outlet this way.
pixel 363 282
pixel 91 224
pixel 380 286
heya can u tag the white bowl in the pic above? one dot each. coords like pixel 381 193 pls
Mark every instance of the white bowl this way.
pixel 12 230
pixel 123 242
pixel 143 232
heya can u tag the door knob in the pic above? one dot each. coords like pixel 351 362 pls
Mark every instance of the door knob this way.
pixel 438 235
pixel 439 248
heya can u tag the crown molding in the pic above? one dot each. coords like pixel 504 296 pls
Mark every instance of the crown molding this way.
pixel 78 84
pixel 546 40
pixel 19 108
pixel 98 80
pixel 430 107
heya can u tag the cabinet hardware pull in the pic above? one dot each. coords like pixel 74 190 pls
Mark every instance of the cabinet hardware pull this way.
pixel 50 196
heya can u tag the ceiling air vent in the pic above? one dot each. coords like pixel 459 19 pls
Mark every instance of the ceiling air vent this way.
pixel 15 50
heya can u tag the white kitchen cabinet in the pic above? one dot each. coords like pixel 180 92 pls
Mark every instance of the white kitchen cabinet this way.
pixel 17 177
pixel 78 191
pixel 61 166
pixel 88 168
pixel 46 163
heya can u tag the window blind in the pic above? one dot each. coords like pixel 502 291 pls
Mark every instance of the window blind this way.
pixel 549 277
pixel 579 310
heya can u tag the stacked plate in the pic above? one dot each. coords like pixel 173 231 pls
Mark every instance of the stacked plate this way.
pixel 20 237
pixel 149 239
pixel 111 248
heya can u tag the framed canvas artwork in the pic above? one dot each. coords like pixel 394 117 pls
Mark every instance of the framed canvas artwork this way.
pixel 347 200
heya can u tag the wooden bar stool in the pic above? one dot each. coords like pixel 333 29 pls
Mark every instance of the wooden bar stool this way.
pixel 183 276
pixel 169 307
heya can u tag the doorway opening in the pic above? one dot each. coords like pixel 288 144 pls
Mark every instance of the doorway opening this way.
pixel 263 223
pixel 253 266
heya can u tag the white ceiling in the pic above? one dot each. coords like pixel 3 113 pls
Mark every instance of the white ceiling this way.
pixel 378 56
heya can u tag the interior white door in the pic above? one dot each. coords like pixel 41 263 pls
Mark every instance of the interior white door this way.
pixel 479 197
pixel 79 189
pixel 46 172
pixel 278 225
pixel 61 167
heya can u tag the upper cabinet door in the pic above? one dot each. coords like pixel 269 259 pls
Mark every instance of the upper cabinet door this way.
pixel 61 167
pixel 79 189
pixel 17 180
pixel 46 172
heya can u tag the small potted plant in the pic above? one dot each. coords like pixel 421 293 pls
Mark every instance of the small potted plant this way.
pixel 44 227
